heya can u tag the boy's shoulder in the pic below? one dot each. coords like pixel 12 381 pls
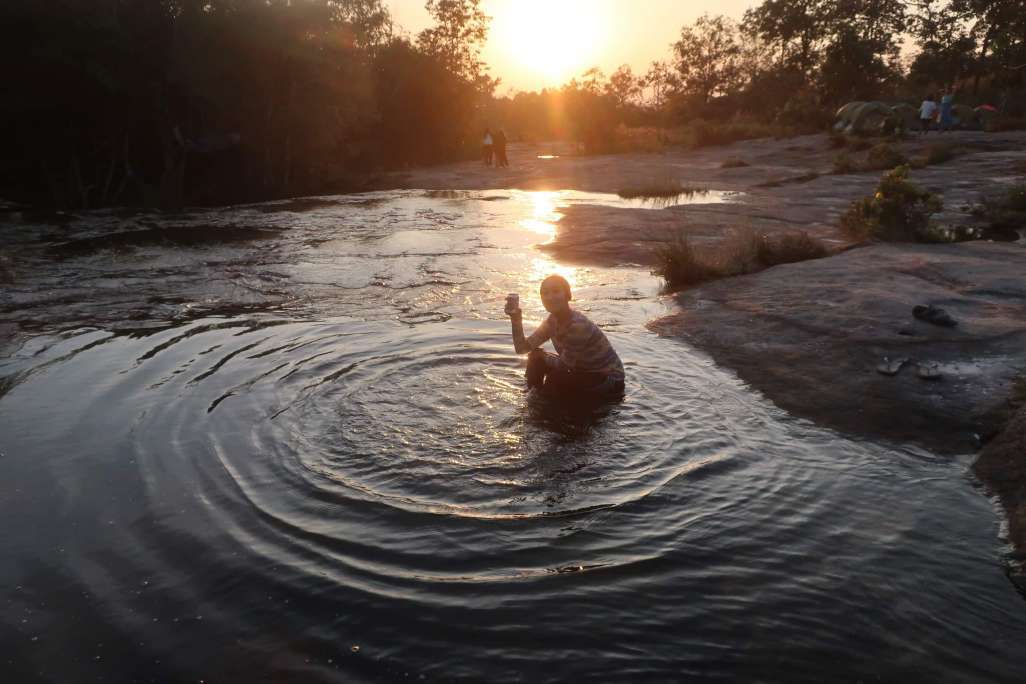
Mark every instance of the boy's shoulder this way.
pixel 579 319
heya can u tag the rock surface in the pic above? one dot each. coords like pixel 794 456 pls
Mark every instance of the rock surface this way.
pixel 809 336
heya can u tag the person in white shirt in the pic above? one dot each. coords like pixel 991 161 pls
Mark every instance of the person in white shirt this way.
pixel 927 112
pixel 486 147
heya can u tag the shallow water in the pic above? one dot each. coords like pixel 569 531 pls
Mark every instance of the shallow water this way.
pixel 293 444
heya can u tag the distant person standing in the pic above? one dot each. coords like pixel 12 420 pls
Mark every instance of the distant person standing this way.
pixel 927 111
pixel 500 149
pixel 947 105
pixel 487 147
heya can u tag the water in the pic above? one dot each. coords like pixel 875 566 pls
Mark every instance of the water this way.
pixel 302 451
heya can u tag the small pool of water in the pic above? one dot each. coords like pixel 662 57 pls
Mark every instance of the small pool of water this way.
pixel 291 442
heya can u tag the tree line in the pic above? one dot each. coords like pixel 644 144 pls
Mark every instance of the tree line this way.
pixel 794 62
pixel 165 102
pixel 168 102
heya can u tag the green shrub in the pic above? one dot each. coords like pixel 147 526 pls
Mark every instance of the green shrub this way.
pixel 883 156
pixel 898 211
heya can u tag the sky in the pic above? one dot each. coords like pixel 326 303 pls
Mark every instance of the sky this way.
pixel 542 43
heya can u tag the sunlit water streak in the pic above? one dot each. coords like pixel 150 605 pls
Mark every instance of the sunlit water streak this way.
pixel 242 460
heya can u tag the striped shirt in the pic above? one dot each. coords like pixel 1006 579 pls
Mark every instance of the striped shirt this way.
pixel 581 345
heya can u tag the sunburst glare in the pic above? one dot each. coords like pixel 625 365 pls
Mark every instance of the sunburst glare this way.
pixel 554 39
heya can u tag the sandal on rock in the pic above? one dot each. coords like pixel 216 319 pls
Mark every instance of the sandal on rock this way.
pixel 891 366
pixel 933 314
pixel 928 371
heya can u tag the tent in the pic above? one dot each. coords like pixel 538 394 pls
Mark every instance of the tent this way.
pixel 908 116
pixel 844 115
pixel 871 117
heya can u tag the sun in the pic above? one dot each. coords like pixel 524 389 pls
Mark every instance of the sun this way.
pixel 552 40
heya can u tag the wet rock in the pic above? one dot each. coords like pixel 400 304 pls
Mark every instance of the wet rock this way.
pixel 811 335
pixel 1001 466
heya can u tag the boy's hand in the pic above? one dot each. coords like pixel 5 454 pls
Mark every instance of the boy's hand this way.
pixel 514 313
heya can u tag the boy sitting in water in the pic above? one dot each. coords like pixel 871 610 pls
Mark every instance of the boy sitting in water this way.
pixel 584 361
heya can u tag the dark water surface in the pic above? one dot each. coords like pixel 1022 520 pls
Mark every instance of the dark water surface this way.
pixel 289 442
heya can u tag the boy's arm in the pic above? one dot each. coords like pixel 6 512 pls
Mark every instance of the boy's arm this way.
pixel 519 341
pixel 523 344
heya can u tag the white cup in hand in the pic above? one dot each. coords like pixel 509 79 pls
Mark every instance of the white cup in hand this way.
pixel 512 303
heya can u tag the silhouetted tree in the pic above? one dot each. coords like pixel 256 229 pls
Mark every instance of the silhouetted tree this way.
pixel 708 57
pixel 623 86
pixel 460 30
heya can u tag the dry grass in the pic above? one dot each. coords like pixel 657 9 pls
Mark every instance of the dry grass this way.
pixel 1007 123
pixel 1004 210
pixel 663 187
pixel 1018 397
pixel 680 264
pixel 883 156
pixel 938 153
pixel 790 248
pixel 733 163
pixel 646 139
pixel 6 269
pixel 741 251
pixel 710 133
pixel 845 163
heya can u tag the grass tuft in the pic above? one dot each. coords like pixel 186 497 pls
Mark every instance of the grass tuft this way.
pixel 742 251
pixel 883 156
pixel 679 263
pixel 666 187
pixel 1004 211
pixel 938 153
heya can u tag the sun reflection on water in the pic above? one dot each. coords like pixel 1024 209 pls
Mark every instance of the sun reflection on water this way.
pixel 543 218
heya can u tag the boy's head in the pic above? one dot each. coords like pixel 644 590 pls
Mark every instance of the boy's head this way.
pixel 555 293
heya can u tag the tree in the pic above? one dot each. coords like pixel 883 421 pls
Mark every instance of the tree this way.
pixel 708 58
pixel 852 69
pixel 623 86
pixel 793 30
pixel 455 40
pixel 662 80
pixel 369 21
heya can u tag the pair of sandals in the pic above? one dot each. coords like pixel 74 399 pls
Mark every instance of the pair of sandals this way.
pixel 926 370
